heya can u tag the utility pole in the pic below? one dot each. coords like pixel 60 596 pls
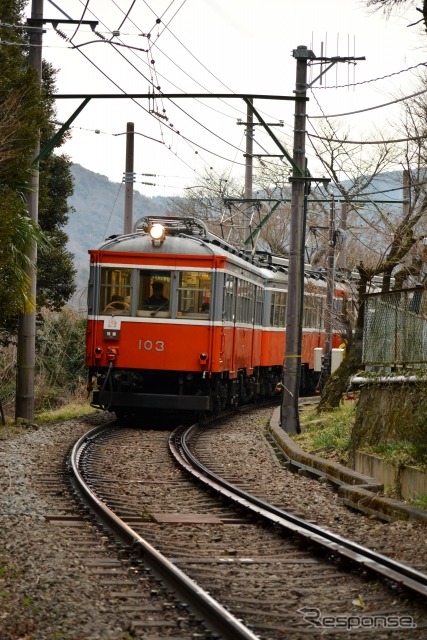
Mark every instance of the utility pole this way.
pixel 129 178
pixel 24 406
pixel 330 285
pixel 294 304
pixel 248 168
pixel 342 257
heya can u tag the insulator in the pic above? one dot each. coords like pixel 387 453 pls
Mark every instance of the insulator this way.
pixel 61 34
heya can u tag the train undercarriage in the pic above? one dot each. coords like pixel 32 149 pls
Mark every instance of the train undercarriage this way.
pixel 130 392
pixel 127 391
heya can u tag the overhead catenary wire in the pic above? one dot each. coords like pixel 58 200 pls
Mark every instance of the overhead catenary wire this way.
pixel 148 80
pixel 147 111
pixel 123 91
pixel 81 20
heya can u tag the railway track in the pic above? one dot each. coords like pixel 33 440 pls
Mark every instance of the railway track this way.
pixel 278 573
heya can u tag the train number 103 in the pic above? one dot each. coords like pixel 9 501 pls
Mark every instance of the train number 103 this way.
pixel 149 345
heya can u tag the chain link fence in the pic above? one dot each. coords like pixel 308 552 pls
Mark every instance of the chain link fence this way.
pixel 395 329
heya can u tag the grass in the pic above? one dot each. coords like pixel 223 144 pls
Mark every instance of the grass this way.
pixel 329 434
pixel 64 413
pixel 400 453
pixel 60 414
pixel 420 502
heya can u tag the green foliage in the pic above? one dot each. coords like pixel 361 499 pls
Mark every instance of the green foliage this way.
pixel 400 453
pixel 22 112
pixel 27 113
pixel 17 232
pixel 62 414
pixel 60 376
pixel 331 434
pixel 60 347
pixel 56 271
pixel 420 502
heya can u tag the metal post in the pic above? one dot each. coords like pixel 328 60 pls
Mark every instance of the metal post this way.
pixel 330 285
pixel 129 177
pixel 248 169
pixel 290 413
pixel 24 405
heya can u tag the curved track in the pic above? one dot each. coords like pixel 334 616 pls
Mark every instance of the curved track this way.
pixel 399 573
pixel 216 616
pixel 244 562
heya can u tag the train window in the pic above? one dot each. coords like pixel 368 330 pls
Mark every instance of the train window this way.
pixel 194 294
pixel 115 291
pixel 229 299
pixel 278 305
pixel 313 316
pixel 258 305
pixel 244 302
pixel 154 298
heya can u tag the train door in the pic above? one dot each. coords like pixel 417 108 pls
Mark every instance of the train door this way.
pixel 243 331
pixel 257 327
pixel 227 349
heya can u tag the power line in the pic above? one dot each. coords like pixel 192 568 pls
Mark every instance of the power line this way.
pixel 390 75
pixel 379 106
pixel 369 142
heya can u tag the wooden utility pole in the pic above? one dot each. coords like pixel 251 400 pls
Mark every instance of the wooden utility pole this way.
pixel 24 406
pixel 129 178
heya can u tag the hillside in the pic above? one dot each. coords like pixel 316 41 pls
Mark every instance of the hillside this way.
pixel 98 207
pixel 99 210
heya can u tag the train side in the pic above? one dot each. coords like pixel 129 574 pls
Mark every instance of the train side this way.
pixel 214 338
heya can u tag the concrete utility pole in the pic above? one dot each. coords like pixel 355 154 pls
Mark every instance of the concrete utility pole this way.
pixel 342 257
pixel 248 168
pixel 330 284
pixel 129 178
pixel 294 304
pixel 24 406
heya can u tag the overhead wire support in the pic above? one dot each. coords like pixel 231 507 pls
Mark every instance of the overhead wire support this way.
pixel 228 96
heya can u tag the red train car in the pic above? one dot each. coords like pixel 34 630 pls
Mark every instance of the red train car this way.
pixel 180 320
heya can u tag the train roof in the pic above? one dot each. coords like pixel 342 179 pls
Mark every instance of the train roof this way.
pixel 192 237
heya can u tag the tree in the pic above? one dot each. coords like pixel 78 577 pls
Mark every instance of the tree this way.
pixel 21 116
pixel 205 200
pixel 26 108
pixel 389 5
pixel 391 235
pixel 215 200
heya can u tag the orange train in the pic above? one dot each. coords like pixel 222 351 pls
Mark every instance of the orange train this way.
pixel 178 319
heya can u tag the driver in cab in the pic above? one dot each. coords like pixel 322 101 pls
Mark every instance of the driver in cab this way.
pixel 157 299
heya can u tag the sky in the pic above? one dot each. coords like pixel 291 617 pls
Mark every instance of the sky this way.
pixel 219 46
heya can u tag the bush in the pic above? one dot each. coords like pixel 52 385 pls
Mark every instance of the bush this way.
pixel 60 374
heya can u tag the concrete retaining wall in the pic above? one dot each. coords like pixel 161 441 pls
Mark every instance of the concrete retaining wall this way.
pixel 410 482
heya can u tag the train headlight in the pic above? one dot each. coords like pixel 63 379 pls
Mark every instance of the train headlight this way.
pixel 157 233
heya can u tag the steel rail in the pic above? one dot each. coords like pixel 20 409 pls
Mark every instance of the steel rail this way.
pixel 401 574
pixel 213 614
